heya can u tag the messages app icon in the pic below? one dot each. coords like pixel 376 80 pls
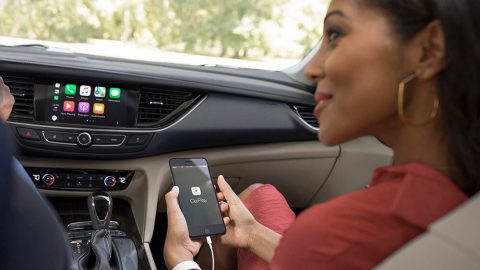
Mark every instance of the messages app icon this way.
pixel 196 191
pixel 114 93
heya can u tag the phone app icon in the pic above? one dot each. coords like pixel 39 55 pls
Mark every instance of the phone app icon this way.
pixel 85 90
pixel 196 191
pixel 114 93
pixel 68 106
pixel 83 107
pixel 70 89
pixel 98 108
pixel 100 91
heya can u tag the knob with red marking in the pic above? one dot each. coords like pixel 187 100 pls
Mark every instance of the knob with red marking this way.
pixel 110 181
pixel 48 179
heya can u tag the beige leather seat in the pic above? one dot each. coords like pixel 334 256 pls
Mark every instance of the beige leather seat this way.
pixel 453 242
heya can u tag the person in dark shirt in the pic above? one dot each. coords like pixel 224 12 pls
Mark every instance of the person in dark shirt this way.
pixel 31 236
pixel 406 72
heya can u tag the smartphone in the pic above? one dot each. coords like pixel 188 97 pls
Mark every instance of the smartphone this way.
pixel 197 197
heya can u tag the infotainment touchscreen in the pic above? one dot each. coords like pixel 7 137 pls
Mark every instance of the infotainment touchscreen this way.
pixel 91 104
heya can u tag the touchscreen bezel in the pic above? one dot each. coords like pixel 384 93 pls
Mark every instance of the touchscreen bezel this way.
pixel 43 103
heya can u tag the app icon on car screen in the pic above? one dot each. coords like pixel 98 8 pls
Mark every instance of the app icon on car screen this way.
pixel 68 106
pixel 114 93
pixel 98 108
pixel 83 107
pixel 85 90
pixel 70 89
pixel 100 91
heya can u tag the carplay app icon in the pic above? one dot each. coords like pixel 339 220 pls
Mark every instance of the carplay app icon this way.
pixel 68 106
pixel 98 108
pixel 196 191
pixel 114 93
pixel 85 90
pixel 83 107
pixel 100 91
pixel 70 89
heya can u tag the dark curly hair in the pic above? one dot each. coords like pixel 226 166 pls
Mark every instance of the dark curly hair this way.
pixel 459 82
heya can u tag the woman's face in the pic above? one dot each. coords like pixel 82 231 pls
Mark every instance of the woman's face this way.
pixel 357 71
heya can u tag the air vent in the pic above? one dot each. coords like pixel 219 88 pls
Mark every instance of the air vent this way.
pixel 306 113
pixel 22 89
pixel 159 106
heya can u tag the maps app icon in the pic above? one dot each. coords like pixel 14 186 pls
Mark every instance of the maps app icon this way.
pixel 100 91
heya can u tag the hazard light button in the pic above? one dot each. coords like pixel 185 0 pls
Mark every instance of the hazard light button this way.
pixel 28 134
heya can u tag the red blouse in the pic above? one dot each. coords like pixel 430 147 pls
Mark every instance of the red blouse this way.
pixel 359 230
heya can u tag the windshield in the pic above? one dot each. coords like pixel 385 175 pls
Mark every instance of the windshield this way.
pixel 260 34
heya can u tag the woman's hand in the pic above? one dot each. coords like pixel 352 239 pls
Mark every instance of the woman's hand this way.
pixel 243 231
pixel 178 245
pixel 239 221
pixel 6 101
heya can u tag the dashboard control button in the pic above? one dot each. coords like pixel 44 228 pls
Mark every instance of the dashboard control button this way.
pixel 48 179
pixel 53 136
pixel 98 139
pixel 79 177
pixel 112 139
pixel 28 134
pixel 78 183
pixel 84 139
pixel 70 137
pixel 110 181
pixel 137 139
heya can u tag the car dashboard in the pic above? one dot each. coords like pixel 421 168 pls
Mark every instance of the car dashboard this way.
pixel 84 124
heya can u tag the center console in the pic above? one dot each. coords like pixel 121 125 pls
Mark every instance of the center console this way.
pixel 101 231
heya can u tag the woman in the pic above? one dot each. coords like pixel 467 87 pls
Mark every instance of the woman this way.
pixel 407 72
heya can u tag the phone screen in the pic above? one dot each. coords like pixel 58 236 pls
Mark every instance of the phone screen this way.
pixel 197 196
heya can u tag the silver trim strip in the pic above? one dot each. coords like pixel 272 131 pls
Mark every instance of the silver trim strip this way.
pixel 48 141
pixel 110 130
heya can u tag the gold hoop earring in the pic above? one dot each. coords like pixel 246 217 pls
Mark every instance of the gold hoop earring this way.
pixel 400 100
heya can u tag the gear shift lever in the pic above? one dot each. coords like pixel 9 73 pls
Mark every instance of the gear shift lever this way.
pixel 98 223
pixel 100 255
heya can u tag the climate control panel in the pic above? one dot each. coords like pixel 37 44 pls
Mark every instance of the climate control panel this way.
pixel 80 179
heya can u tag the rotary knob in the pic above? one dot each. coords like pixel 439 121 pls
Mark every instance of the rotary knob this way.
pixel 84 139
pixel 48 179
pixel 110 181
